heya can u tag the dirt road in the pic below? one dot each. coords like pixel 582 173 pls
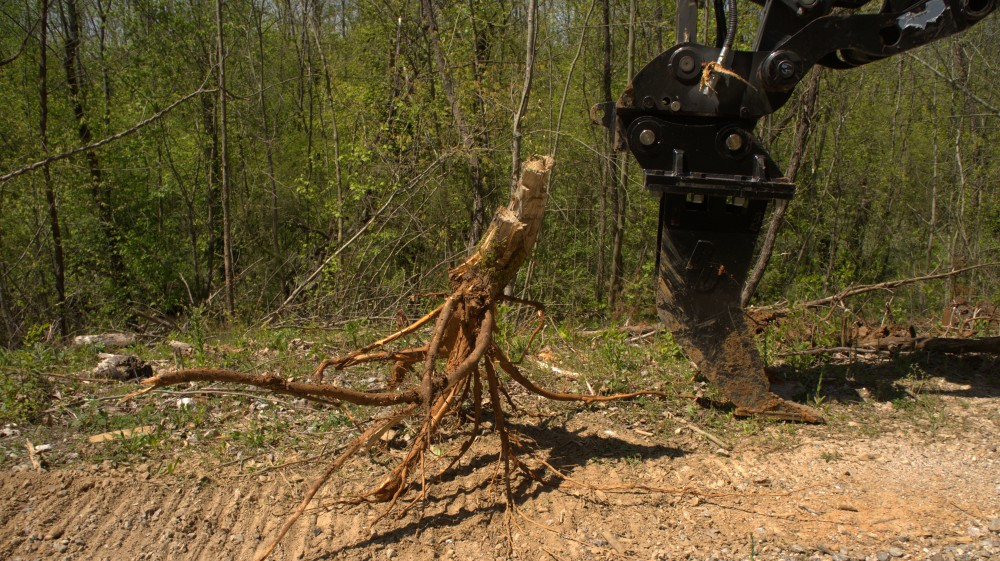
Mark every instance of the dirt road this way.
pixel 883 480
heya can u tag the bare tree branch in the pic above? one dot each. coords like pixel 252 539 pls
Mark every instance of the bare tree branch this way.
pixel 956 85
pixel 79 150
pixel 20 50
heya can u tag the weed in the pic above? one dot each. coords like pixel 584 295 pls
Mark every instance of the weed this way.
pixel 816 397
pixel 829 456
pixel 23 397
pixel 353 331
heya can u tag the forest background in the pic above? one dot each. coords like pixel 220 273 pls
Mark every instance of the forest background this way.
pixel 348 152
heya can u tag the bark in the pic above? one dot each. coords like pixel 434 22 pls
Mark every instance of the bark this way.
pixel 512 233
pixel 802 130
pixel 58 265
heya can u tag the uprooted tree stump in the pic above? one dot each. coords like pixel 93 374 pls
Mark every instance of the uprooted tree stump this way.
pixel 462 337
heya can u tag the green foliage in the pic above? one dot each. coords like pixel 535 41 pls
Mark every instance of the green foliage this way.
pixel 327 139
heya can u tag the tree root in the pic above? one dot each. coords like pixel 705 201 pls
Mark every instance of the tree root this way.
pixel 462 339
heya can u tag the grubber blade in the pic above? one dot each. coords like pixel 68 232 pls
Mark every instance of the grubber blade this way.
pixel 706 244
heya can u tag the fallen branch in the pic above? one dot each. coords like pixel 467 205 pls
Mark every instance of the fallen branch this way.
pixel 634 330
pixel 766 314
pixel 896 345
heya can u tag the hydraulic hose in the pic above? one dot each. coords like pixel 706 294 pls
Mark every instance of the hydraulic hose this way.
pixel 726 30
pixel 730 30
pixel 720 23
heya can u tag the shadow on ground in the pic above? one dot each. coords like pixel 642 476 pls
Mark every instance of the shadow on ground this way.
pixel 549 440
pixel 885 380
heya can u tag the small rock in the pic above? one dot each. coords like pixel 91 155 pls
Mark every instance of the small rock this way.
pixel 796 548
pixel 105 339
pixel 180 348
pixel 299 345
pixel 995 525
pixel 122 367
pixel 390 553
pixel 938 557
pixel 895 552
pixel 883 556
pixel 43 448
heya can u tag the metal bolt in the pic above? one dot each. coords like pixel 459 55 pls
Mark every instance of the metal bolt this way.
pixel 686 63
pixel 734 141
pixel 647 137
pixel 648 102
pixel 786 69
pixel 675 105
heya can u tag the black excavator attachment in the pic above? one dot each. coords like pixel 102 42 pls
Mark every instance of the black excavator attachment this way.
pixel 688 118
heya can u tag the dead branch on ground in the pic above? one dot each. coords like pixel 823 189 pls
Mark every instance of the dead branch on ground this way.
pixel 902 345
pixel 766 314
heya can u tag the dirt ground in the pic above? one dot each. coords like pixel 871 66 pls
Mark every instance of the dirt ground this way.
pixel 905 469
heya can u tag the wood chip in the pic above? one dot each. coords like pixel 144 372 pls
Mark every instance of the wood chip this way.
pixel 36 462
pixel 613 541
pixel 124 433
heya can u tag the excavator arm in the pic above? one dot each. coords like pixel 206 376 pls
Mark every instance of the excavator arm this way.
pixel 688 118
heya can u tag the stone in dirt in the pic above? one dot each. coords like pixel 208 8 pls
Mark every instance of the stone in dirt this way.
pixel 110 340
pixel 121 367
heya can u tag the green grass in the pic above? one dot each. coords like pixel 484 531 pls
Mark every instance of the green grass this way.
pixel 65 411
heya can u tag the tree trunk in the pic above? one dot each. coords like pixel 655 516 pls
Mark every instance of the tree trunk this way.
pixel 802 130
pixel 529 68
pixel 618 205
pixel 100 191
pixel 58 265
pixel 478 218
pixel 227 240
pixel 266 130
pixel 609 169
